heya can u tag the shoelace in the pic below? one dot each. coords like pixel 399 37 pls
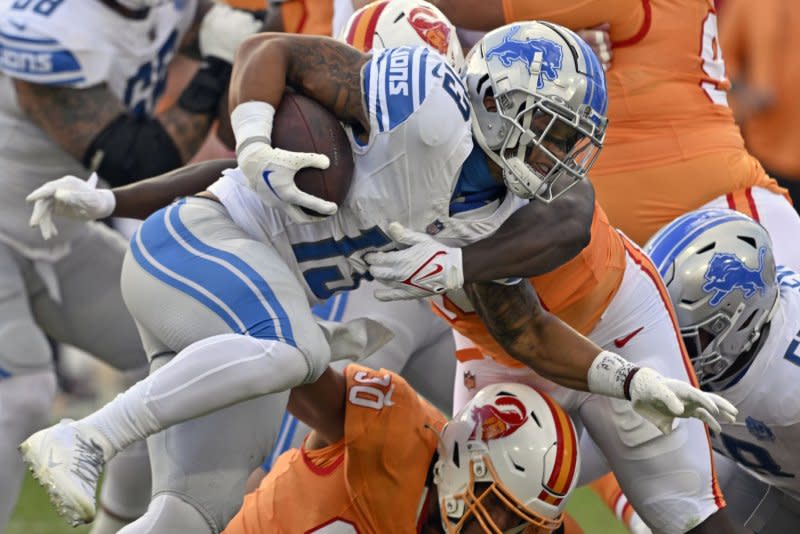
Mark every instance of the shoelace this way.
pixel 88 461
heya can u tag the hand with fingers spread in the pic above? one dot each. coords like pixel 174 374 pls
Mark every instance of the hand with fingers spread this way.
pixel 425 268
pixel 270 171
pixel 69 196
pixel 657 398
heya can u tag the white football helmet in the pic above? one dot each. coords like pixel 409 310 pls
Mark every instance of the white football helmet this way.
pixel 510 447
pixel 543 79
pixel 721 276
pixel 393 23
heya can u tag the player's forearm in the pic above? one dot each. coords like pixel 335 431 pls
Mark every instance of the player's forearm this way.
pixel 140 199
pixel 524 252
pixel 319 67
pixel 482 15
pixel 533 336
pixel 321 405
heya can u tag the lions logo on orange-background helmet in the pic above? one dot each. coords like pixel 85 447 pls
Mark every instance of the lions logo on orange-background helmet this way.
pixel 392 23
pixel 510 446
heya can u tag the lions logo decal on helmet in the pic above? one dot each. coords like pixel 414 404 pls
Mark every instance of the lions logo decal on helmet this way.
pixel 547 54
pixel 726 273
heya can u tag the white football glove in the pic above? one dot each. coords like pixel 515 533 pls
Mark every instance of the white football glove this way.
pixel 270 171
pixel 69 196
pixel 425 268
pixel 223 29
pixel 656 398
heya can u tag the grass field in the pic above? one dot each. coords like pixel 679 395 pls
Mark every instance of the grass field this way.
pixel 35 515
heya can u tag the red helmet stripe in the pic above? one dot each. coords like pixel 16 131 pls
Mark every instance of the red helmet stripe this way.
pixel 362 30
pixel 566 453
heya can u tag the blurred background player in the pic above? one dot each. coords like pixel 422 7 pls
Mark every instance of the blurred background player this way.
pixel 382 459
pixel 673 145
pixel 739 315
pixel 78 84
pixel 759 44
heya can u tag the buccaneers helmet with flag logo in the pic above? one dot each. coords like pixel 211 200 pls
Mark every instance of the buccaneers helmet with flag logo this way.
pixel 509 446
pixel 393 23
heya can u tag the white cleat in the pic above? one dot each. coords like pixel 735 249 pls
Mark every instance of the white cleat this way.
pixel 68 461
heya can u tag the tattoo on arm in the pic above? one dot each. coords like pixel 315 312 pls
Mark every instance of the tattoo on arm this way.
pixel 188 130
pixel 509 312
pixel 70 117
pixel 330 72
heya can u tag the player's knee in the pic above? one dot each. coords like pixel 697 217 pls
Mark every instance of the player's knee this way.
pixel 315 350
pixel 23 348
pixel 168 514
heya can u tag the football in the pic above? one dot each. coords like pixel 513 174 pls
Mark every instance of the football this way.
pixel 303 125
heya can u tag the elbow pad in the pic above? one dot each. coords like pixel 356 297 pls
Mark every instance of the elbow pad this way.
pixel 131 148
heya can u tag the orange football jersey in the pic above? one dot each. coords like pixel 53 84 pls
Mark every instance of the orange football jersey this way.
pixel 371 481
pixel 578 292
pixel 667 109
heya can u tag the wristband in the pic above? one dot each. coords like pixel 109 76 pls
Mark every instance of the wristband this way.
pixel 252 122
pixel 207 87
pixel 611 375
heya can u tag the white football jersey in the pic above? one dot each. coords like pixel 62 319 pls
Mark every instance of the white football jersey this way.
pixel 764 439
pixel 78 44
pixel 407 171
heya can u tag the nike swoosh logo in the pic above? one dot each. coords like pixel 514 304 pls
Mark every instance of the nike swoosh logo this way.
pixel 18 25
pixel 437 269
pixel 50 463
pixel 621 342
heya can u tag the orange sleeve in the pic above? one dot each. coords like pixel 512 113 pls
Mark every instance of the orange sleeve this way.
pixel 626 17
pixel 389 444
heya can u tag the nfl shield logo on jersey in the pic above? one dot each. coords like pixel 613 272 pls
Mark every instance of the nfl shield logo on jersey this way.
pixel 760 430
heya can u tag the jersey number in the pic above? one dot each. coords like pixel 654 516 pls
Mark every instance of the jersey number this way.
pixel 146 86
pixel 792 353
pixel 326 280
pixel 42 7
pixel 713 64
pixel 453 87
pixel 368 393
pixel 752 456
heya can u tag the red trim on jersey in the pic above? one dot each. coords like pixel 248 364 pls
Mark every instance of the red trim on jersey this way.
pixel 643 29
pixel 318 470
pixel 731 202
pixel 649 269
pixel 748 193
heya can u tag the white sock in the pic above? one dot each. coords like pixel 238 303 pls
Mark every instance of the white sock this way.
pixel 207 375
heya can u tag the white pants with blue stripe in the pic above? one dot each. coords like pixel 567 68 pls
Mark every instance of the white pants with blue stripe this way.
pixel 198 286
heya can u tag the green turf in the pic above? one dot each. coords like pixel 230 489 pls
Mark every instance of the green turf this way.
pixel 35 515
